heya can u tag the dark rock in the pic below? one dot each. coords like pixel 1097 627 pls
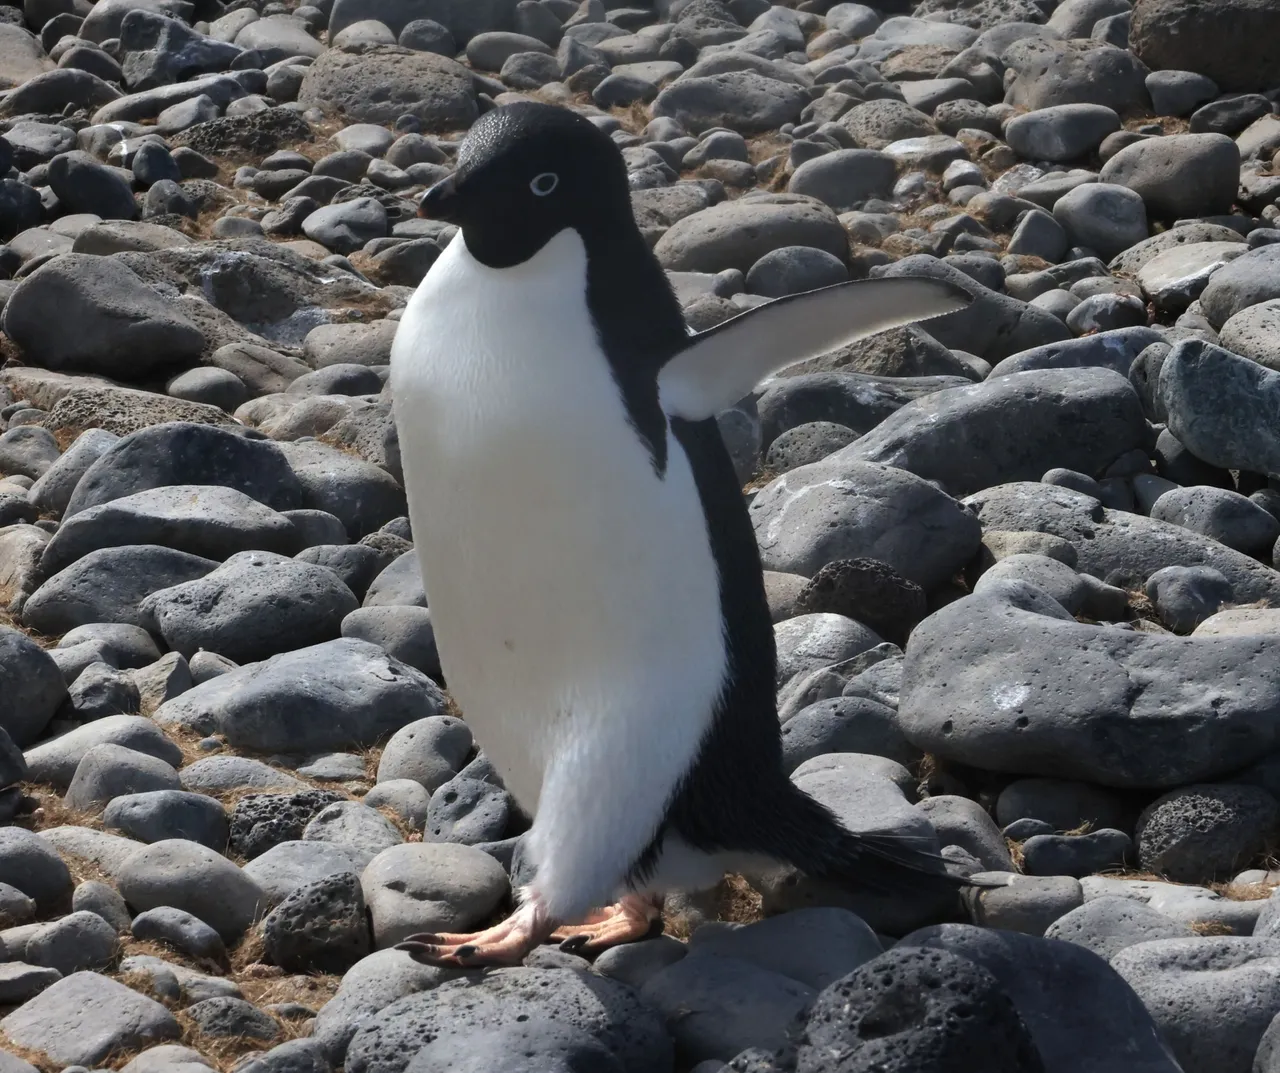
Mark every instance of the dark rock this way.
pixel 1197 833
pixel 261 821
pixel 320 927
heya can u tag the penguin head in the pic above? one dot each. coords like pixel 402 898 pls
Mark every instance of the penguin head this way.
pixel 525 173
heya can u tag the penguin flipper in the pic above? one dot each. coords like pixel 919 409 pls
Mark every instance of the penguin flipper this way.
pixel 721 365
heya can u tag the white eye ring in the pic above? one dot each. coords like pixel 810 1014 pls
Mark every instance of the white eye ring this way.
pixel 544 183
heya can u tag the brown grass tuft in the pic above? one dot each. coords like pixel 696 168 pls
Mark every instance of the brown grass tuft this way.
pixel 38 1059
pixel 1211 927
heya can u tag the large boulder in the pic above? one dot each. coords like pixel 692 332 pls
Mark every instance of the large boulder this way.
pixel 1010 428
pixel 1230 41
pixel 380 84
pixel 1007 680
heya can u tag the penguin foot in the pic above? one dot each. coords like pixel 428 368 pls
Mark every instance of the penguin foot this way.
pixel 503 944
pixel 634 917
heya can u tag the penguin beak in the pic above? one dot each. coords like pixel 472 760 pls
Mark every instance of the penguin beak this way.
pixel 439 202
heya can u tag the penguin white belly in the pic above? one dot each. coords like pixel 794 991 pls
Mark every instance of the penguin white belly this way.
pixel 573 590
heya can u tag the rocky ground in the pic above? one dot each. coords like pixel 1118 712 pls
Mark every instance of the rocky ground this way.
pixel 1023 564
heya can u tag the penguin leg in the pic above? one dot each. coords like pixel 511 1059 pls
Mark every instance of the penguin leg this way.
pixel 504 944
pixel 632 918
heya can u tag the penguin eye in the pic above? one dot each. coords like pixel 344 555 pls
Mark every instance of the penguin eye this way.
pixel 545 183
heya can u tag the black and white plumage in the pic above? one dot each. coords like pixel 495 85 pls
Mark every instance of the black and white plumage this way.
pixel 593 576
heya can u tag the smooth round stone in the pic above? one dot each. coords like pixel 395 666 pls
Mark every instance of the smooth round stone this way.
pixel 189 876
pixel 210 385
pixel 1103 217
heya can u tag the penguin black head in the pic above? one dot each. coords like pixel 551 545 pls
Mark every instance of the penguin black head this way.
pixel 526 172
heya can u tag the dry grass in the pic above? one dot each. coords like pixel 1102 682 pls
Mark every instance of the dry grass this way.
pixel 38 1059
pixel 739 902
pixel 1211 927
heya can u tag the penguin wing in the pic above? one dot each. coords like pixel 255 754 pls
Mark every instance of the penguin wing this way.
pixel 720 366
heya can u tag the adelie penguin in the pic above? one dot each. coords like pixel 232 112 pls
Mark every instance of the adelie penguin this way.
pixel 591 569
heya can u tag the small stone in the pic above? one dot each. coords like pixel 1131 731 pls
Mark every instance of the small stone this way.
pixel 233 1017
pixel 103 899
pixel 290 865
pixel 1199 832
pixel 467 811
pixel 1179 176
pixel 84 1018
pixel 1103 217
pixel 430 752
pixel 430 887
pixel 319 927
pixel 351 823
pixel 29 864
pixel 1062 133
pixel 1076 855
pixel 185 933
pixel 261 821
pixel 191 877
pixel 78 941
pixel 109 771
pixel 158 815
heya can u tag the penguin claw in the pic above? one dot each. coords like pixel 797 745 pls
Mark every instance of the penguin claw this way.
pixel 504 944
pixel 633 918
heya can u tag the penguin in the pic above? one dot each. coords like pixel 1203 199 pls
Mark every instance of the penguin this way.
pixel 590 565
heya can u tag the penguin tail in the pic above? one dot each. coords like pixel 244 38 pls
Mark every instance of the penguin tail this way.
pixel 817 844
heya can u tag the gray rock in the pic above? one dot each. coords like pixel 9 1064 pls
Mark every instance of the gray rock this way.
pixel 1179 176
pixel 1226 516
pixel 253 606
pixel 793 270
pixel 155 1059
pixel 109 771
pixel 845 178
pixel 605 1009
pixel 350 823
pixel 100 690
pixel 346 227
pixel 1213 997
pixel 1123 548
pixel 917 1010
pixel 1177 277
pixel 292 1056
pixel 18 983
pixel 31 687
pixel 1010 642
pixel 1251 278
pixel 1075 592
pixel 234 1018
pixel 78 941
pixel 28 450
pixel 103 899
pixel 85 1017
pixel 319 927
pixel 290 865
pixel 408 799
pixel 435 90
pixel 1062 804
pixel 736 234
pixel 962 822
pixel 372 984
pixel 1036 420
pixel 52 491
pixel 467 811
pixel 1253 333
pixel 361 495
pixel 693 995
pixel 745 101
pixel 1108 924
pixel 209 521
pixel 1024 904
pixel 55 762
pixel 808 642
pixel 1076 855
pixel 93 314
pixel 261 821
pixel 184 932
pixel 108 853
pixel 1199 832
pixel 812 946
pixel 430 887
pixel 183 453
pixel 403 632
pixel 429 751
pixel 108 585
pixel 220 773
pixel 536 1045
pixel 188 876
pixel 16 908
pixel 84 185
pixel 882 511
pixel 1062 133
pixel 845 725
pixel 1080 1013
pixel 1229 427
pixel 157 815
pixel 355 694
pixel 1054 74
pixel 1105 217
